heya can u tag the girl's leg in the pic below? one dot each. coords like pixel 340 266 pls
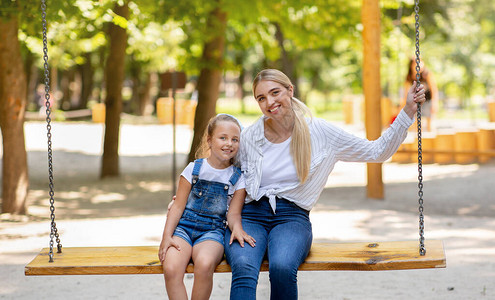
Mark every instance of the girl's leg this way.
pixel 174 267
pixel 206 256
pixel 289 243
pixel 245 262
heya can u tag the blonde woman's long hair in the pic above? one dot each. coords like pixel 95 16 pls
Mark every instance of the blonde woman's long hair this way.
pixel 300 146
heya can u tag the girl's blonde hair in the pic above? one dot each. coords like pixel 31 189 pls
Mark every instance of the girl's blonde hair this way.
pixel 204 149
pixel 300 146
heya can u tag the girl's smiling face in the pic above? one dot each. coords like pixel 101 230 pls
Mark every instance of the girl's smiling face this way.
pixel 224 144
pixel 274 99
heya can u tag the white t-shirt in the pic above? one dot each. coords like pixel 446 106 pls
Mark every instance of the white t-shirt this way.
pixel 278 169
pixel 209 173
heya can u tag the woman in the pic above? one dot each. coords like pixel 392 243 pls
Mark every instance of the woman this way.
pixel 286 159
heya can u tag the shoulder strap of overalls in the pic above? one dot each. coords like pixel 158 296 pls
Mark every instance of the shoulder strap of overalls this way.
pixel 197 166
pixel 235 176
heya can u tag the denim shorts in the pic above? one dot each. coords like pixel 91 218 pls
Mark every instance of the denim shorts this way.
pixel 195 228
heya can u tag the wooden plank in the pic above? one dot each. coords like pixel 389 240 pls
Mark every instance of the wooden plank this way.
pixel 323 256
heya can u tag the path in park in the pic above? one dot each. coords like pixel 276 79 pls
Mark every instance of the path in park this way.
pixel 459 208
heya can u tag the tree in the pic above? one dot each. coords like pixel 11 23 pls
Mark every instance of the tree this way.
pixel 114 73
pixel 15 181
pixel 210 75
pixel 15 17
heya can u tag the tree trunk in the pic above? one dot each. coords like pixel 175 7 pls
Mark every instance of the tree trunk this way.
pixel 242 93
pixel 15 181
pixel 140 89
pixel 240 81
pixel 65 83
pixel 114 73
pixel 209 77
pixel 31 71
pixel 87 72
pixel 144 94
pixel 286 62
pixel 135 74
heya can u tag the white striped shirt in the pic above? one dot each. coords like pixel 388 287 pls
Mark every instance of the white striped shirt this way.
pixel 329 144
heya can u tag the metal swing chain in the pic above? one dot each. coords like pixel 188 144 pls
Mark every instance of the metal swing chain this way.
pixel 53 232
pixel 422 249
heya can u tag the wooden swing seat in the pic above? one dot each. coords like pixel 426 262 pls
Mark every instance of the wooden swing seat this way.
pixel 400 255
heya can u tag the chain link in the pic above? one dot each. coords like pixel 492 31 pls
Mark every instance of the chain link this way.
pixel 422 249
pixel 53 231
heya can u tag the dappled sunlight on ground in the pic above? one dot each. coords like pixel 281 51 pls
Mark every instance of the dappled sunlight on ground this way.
pixel 107 198
pixel 339 225
pixel 155 186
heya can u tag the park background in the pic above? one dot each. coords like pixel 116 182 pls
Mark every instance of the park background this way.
pixel 117 194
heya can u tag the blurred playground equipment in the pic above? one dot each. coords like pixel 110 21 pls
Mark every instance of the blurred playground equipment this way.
pixel 184 109
pixel 447 146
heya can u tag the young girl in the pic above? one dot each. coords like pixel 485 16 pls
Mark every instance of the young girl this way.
pixel 197 219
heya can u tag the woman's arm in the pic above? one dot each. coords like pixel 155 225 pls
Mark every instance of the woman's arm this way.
pixel 348 147
pixel 234 219
pixel 173 217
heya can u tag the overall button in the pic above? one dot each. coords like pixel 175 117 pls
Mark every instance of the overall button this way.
pixel 226 187
pixel 200 193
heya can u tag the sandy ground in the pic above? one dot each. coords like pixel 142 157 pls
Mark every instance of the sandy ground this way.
pixel 459 208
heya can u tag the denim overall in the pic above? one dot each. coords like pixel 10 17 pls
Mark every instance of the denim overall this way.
pixel 204 217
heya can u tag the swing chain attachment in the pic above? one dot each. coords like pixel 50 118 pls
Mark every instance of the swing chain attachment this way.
pixel 54 231
pixel 422 249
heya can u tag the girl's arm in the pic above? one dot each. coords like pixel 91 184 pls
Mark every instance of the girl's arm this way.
pixel 173 216
pixel 234 219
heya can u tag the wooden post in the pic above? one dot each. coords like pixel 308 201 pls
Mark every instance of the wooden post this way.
pixel 465 141
pixel 444 142
pixel 486 141
pixel 370 17
pixel 491 110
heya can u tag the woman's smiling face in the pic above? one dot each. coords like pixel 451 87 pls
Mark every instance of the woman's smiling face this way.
pixel 274 99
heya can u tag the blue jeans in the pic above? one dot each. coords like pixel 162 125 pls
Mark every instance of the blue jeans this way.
pixel 285 238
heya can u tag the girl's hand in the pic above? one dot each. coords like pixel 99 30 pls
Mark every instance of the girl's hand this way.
pixel 415 97
pixel 241 236
pixel 164 245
